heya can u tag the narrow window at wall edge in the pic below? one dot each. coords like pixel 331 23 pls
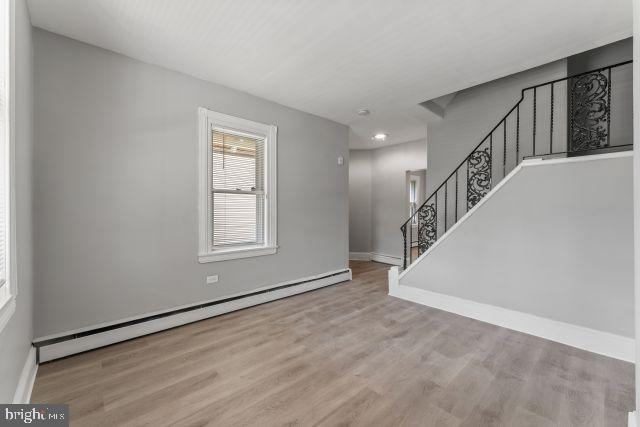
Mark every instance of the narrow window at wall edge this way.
pixel 7 287
pixel 237 187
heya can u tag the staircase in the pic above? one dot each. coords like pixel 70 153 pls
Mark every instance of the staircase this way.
pixel 572 116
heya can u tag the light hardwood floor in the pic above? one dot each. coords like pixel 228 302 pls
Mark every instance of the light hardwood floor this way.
pixel 348 354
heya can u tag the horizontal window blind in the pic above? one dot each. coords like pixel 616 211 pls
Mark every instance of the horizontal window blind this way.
pixel 237 167
pixel 4 140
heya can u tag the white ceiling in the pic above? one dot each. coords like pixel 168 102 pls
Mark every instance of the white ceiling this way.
pixel 332 57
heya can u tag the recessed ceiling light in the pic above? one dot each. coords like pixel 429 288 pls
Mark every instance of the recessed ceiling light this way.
pixel 363 112
pixel 380 137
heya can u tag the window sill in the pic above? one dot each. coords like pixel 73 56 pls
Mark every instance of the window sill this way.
pixel 7 308
pixel 245 252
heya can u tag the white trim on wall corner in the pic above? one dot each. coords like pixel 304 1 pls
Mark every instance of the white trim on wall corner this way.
pixel 27 379
pixel 386 259
pixel 360 256
pixel 600 342
pixel 632 419
pixel 90 341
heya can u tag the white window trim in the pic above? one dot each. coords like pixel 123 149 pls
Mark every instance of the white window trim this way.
pixel 207 121
pixel 9 291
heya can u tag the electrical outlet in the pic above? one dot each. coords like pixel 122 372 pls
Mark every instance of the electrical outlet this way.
pixel 212 279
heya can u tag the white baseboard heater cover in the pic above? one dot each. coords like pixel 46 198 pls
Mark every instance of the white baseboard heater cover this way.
pixel 50 348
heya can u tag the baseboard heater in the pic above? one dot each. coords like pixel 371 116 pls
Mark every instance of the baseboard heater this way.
pixel 77 342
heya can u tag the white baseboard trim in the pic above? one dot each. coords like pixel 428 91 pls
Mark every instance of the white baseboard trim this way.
pixel 27 378
pixel 360 256
pixel 386 259
pixel 604 343
pixel 89 341
pixel 373 256
pixel 632 419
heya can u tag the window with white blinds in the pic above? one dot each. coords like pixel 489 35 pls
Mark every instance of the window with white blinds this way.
pixel 237 187
pixel 237 174
pixel 4 150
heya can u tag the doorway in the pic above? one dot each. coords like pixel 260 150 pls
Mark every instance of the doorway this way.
pixel 415 196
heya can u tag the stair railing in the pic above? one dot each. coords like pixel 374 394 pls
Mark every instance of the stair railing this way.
pixel 569 116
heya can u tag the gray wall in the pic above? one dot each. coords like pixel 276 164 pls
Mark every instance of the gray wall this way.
pixel 389 193
pixel 116 189
pixel 15 339
pixel 360 200
pixel 601 57
pixel 572 268
pixel 475 111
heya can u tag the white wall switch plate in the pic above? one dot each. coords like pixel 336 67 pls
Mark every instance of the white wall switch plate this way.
pixel 340 160
pixel 212 279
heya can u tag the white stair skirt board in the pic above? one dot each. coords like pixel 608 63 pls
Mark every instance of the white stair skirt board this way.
pixel 386 259
pixel 494 190
pixel 89 341
pixel 604 343
pixel 27 378
pixel 360 256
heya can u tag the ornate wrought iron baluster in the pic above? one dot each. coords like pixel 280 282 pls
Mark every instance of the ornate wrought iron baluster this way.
pixel 478 176
pixel 427 220
pixel 609 108
pixel 590 112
